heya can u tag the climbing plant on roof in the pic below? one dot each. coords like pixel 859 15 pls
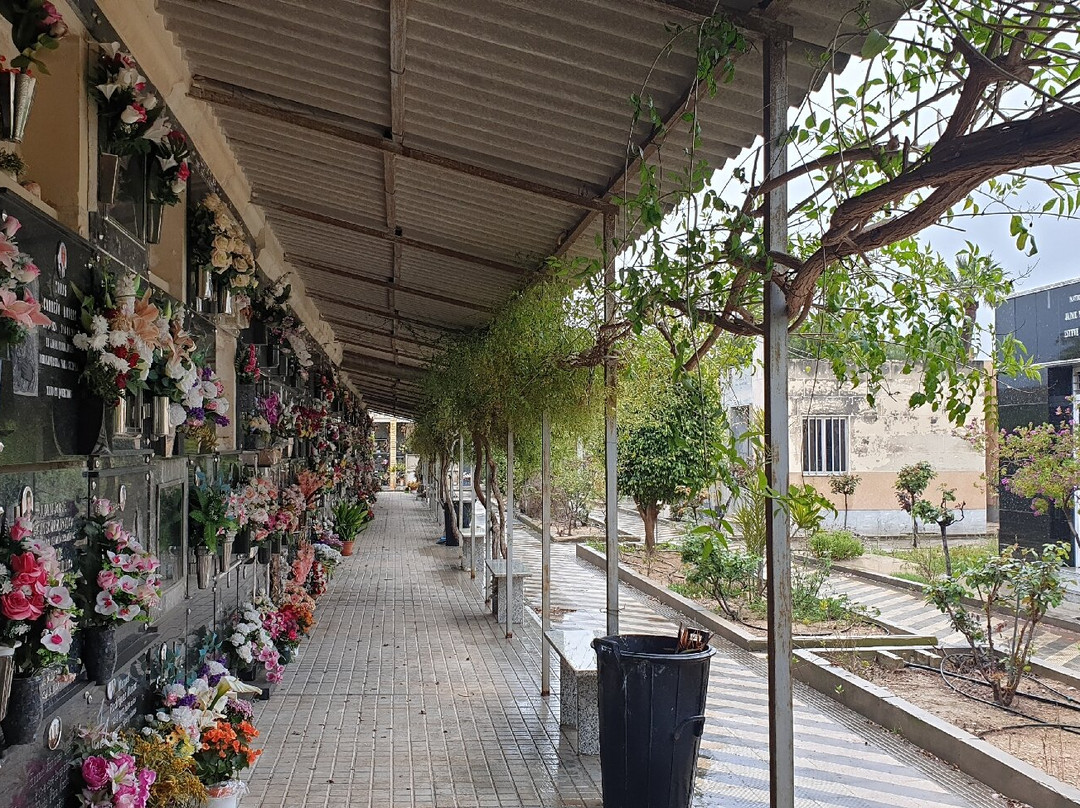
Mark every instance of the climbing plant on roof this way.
pixel 965 108
pixel 504 377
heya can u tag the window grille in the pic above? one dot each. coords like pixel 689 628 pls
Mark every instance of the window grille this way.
pixel 825 445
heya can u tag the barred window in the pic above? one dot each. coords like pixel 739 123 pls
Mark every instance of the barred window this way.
pixel 825 445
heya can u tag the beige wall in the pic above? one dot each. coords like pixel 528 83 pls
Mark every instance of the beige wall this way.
pixel 881 439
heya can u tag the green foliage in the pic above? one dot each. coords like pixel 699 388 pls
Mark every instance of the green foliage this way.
pixel 210 510
pixel 837 545
pixel 911 482
pixel 575 485
pixel 930 562
pixel 844 485
pixel 730 576
pixel 351 518
pixel 806 508
pixel 1022 583
pixel 1042 463
pixel 34 26
pixel 11 163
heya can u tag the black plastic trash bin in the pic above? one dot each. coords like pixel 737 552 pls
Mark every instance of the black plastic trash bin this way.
pixel 652 711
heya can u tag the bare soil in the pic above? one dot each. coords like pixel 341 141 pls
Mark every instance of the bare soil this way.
pixel 666 567
pixel 1053 750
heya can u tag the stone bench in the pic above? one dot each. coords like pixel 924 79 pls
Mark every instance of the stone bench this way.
pixel 578 699
pixel 497 568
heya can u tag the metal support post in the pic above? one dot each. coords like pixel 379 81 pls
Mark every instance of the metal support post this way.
pixel 472 524
pixel 460 492
pixel 778 548
pixel 487 529
pixel 545 553
pixel 509 533
pixel 611 437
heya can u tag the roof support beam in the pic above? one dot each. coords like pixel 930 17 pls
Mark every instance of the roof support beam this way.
pixel 389 315
pixel 391 235
pixel 374 332
pixel 316 120
pixel 749 21
pixel 375 352
pixel 385 369
pixel 344 272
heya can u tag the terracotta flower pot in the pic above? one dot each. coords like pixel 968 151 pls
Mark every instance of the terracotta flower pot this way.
pixel 347 547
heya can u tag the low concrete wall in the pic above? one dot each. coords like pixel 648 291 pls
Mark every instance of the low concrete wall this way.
pixel 740 636
pixel 982 760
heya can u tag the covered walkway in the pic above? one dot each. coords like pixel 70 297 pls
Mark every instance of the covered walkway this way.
pixel 408 695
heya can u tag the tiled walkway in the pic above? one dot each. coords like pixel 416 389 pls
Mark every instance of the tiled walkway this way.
pixel 408 695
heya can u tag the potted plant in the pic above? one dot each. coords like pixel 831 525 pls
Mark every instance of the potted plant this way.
pixel 37 622
pixel 35 26
pixel 122 584
pixel 12 164
pixel 349 520
pixel 210 511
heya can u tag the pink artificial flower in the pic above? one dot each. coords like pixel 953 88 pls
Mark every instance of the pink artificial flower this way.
pixel 25 271
pixel 26 313
pixel 11 226
pixel 58 641
pixel 21 529
pixel 95 772
pixel 108 580
pixel 51 14
pixel 8 252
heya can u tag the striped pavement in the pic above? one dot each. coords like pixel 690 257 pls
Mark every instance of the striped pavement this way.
pixel 841 760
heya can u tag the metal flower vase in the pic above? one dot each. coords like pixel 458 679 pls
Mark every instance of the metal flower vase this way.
pixel 111 168
pixel 204 567
pixel 25 710
pixel 7 672
pixel 155 210
pixel 99 653
pixel 16 99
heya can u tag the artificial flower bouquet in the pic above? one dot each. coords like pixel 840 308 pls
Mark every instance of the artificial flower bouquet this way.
pixel 112 775
pixel 121 333
pixel 127 576
pixel 169 170
pixel 35 25
pixel 20 312
pixel 217 244
pixel 247 364
pixel 210 509
pixel 37 612
pixel 250 643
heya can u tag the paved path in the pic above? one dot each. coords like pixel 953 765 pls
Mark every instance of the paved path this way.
pixel 407 694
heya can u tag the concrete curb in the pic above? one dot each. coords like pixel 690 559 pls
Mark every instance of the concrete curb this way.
pixel 739 636
pixel 980 759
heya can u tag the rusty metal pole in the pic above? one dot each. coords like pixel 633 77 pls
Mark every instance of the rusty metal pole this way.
pixel 487 529
pixel 461 494
pixel 778 548
pixel 611 440
pixel 509 522
pixel 545 553
pixel 472 528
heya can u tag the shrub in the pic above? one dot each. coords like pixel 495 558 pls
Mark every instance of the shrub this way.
pixel 836 544
pixel 730 576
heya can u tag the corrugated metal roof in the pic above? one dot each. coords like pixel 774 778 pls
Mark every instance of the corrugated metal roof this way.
pixel 314 104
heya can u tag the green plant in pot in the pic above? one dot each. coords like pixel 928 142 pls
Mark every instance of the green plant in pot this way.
pixel 350 518
pixel 209 510
pixel 37 623
pixel 121 584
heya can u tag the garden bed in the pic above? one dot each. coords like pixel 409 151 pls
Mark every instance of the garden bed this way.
pixel 1032 764
pixel 874 631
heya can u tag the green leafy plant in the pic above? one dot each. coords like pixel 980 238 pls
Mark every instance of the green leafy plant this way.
pixel 844 485
pixel 11 163
pixel 1020 583
pixel 729 575
pixel 350 519
pixel 945 514
pixel 911 482
pixel 211 510
pixel 837 545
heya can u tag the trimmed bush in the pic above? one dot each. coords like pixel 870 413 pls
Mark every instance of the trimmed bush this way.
pixel 836 544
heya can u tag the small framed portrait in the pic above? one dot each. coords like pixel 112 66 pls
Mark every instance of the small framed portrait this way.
pixel 26 502
pixel 61 260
